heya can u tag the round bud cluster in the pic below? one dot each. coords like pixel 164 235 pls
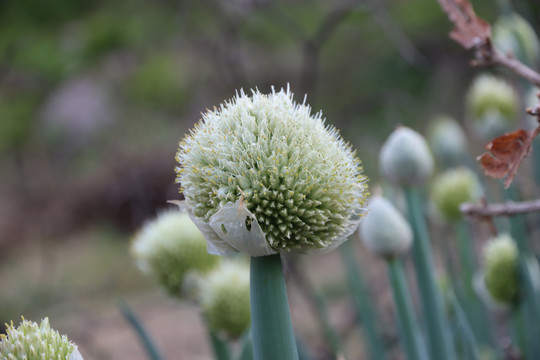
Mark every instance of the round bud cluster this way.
pixel 384 230
pixel 36 342
pixel 452 188
pixel 170 247
pixel 513 34
pixel 501 273
pixel 294 177
pixel 490 95
pixel 405 158
pixel 224 298
pixel 447 141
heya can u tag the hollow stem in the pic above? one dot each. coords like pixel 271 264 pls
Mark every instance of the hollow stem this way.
pixel 529 270
pixel 220 347
pixel 271 326
pixel 362 302
pixel 438 330
pixel 136 324
pixel 408 327
pixel 472 307
pixel 246 347
pixel 465 327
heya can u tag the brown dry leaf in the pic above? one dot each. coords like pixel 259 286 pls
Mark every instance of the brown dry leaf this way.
pixel 469 30
pixel 506 153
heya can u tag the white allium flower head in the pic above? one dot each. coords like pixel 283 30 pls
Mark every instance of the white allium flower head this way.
pixel 224 298
pixel 31 341
pixel 261 174
pixel 170 247
pixel 385 231
pixel 405 159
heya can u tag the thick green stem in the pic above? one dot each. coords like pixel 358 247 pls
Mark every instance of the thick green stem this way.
pixel 520 329
pixel 220 347
pixel 437 327
pixel 362 302
pixel 271 326
pixel 468 334
pixel 408 326
pixel 472 305
pixel 466 255
pixel 528 267
pixel 137 325
pixel 246 347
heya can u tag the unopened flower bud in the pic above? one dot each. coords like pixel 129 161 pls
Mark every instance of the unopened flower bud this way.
pixel 447 141
pixel 385 231
pixel 36 342
pixel 452 188
pixel 405 158
pixel 513 34
pixel 170 247
pixel 224 294
pixel 489 94
pixel 501 272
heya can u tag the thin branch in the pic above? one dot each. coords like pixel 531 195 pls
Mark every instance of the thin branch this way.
pixel 526 146
pixel 510 208
pixel 487 55
pixel 472 32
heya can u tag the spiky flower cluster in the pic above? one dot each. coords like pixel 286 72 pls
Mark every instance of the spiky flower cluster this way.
pixel 452 188
pixel 31 341
pixel 488 95
pixel 501 269
pixel 170 247
pixel 299 181
pixel 225 300
pixel 385 231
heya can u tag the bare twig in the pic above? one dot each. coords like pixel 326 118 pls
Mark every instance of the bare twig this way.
pixel 526 145
pixel 473 32
pixel 510 208
pixel 487 55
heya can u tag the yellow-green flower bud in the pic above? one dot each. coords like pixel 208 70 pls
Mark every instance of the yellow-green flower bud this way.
pixel 385 231
pixel 405 159
pixel 513 34
pixel 261 175
pixel 31 341
pixel 169 247
pixel 225 300
pixel 490 95
pixel 447 141
pixel 501 272
pixel 452 188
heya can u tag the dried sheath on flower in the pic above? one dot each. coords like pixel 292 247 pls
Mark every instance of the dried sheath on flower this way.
pixel 261 174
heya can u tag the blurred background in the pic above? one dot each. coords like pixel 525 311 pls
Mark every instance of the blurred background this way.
pixel 95 96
